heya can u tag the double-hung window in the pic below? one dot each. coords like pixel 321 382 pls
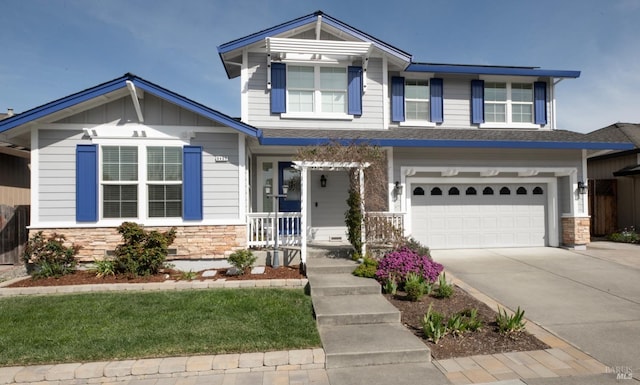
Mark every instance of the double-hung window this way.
pixel 316 89
pixel 119 182
pixel 416 99
pixel 509 103
pixel 164 181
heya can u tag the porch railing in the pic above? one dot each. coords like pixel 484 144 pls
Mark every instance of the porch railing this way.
pixel 262 229
pixel 384 227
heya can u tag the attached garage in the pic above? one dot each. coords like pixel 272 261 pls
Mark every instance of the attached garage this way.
pixel 474 215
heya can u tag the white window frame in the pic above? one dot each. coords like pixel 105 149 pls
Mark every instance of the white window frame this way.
pixel 142 183
pixel 409 76
pixel 509 104
pixel 317 112
pixel 164 182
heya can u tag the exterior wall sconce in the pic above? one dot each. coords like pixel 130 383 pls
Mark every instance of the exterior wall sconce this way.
pixel 582 188
pixel 397 190
pixel 323 181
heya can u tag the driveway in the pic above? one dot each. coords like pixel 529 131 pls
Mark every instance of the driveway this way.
pixel 590 298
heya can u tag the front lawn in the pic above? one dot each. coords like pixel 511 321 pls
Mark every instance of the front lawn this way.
pixel 106 326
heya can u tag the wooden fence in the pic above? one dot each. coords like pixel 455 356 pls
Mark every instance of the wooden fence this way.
pixel 13 233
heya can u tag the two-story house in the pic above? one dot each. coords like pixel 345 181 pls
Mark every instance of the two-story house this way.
pixel 474 157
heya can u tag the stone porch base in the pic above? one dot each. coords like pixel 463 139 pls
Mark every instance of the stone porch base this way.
pixel 192 242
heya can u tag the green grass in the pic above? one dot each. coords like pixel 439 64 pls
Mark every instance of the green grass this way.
pixel 105 326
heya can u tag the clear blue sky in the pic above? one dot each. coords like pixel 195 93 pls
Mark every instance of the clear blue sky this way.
pixel 53 48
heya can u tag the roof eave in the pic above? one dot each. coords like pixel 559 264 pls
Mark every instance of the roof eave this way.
pixel 456 143
pixel 490 70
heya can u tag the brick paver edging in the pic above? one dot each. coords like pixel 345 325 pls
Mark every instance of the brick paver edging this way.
pixel 156 286
pixel 171 367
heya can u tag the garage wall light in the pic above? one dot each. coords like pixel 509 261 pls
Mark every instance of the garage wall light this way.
pixel 582 188
pixel 323 181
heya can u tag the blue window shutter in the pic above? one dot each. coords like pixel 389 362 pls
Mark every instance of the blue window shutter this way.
pixel 477 101
pixel 87 183
pixel 540 102
pixel 436 100
pixel 278 88
pixel 192 183
pixel 354 90
pixel 397 99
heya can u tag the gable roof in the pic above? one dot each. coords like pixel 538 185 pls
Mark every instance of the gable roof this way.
pixel 226 49
pixel 117 84
pixel 444 137
pixel 628 132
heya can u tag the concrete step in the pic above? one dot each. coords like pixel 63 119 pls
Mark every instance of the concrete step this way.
pixel 323 265
pixel 372 344
pixel 341 284
pixel 354 310
pixel 415 373
pixel 329 250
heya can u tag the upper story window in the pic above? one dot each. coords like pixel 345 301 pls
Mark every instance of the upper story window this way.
pixel 417 102
pixel 315 89
pixel 508 104
pixel 416 99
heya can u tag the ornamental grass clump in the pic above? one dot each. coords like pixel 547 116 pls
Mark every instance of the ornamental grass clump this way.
pixel 398 264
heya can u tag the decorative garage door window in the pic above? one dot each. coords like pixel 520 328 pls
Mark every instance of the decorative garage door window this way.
pixel 479 215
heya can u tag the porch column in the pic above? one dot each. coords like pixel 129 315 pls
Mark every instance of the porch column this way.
pixel 304 175
pixel 363 235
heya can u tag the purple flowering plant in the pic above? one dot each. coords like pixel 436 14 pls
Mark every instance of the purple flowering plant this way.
pixel 397 264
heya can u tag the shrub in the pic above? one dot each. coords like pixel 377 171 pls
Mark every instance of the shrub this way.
pixel 390 286
pixel 143 252
pixel 414 286
pixel 626 235
pixel 403 261
pixel 445 289
pixel 353 219
pixel 472 321
pixel 417 247
pixel 433 325
pixel 188 275
pixel 510 323
pixel 242 260
pixel 367 268
pixel 49 256
pixel 104 268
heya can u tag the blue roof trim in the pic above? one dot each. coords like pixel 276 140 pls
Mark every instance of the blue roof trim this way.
pixel 490 70
pixel 61 104
pixel 311 18
pixel 450 143
pixel 121 82
pixel 196 107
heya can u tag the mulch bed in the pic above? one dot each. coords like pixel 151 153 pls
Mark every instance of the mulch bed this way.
pixel 83 277
pixel 485 341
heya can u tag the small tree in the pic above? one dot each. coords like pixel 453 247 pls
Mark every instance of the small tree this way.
pixel 353 220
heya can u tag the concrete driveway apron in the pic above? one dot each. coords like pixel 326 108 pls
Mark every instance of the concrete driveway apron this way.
pixel 591 301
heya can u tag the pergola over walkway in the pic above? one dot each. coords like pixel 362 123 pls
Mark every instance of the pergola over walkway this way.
pixel 304 167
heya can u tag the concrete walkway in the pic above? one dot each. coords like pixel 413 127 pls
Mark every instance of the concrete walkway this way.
pixel 589 298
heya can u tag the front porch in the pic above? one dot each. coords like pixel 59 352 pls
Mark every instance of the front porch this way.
pixel 380 228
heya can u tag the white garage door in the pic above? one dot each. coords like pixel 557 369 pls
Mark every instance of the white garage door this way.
pixel 448 216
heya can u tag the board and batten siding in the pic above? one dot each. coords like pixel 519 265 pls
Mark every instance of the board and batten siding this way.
pixel 260 108
pixel 57 174
pixel 156 111
pixel 221 195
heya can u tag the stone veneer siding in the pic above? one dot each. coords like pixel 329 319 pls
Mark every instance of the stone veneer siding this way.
pixel 575 231
pixel 192 242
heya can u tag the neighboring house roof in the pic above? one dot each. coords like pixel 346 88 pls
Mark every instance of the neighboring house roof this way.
pixel 224 50
pixel 106 88
pixel 628 132
pixel 444 137
pixel 489 70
